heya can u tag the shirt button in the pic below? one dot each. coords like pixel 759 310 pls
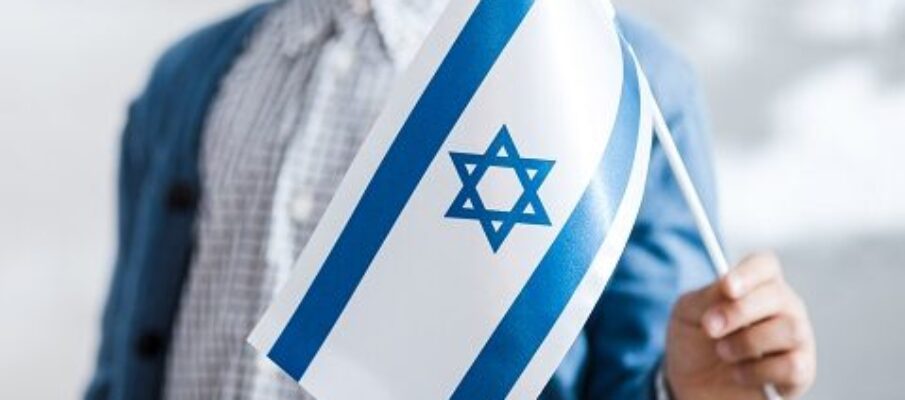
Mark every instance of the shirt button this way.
pixel 309 34
pixel 181 197
pixel 294 43
pixel 343 59
pixel 360 7
pixel 301 207
pixel 148 345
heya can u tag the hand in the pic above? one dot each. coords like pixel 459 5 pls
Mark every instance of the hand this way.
pixel 748 329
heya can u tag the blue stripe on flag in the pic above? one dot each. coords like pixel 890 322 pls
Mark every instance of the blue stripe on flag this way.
pixel 459 76
pixel 540 303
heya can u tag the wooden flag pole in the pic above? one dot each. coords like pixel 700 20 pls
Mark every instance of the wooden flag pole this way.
pixel 708 234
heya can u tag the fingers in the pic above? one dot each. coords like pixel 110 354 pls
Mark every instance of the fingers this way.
pixel 773 336
pixel 754 271
pixel 692 306
pixel 790 372
pixel 763 302
pixel 757 324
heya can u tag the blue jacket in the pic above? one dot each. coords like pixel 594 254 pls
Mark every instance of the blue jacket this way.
pixel 616 356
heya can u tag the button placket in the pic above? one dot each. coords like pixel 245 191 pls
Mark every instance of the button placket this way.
pixel 301 207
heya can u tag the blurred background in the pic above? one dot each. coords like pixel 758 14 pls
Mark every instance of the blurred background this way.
pixel 808 106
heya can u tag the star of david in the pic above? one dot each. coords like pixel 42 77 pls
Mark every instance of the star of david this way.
pixel 527 209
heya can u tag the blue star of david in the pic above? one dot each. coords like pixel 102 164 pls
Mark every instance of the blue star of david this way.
pixel 528 209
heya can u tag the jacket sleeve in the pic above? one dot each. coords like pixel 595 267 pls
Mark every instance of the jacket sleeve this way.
pixel 129 183
pixel 664 256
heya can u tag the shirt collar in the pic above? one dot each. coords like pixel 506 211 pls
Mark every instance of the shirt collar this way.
pixel 403 24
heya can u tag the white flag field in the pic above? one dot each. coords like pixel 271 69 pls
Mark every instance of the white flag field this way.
pixel 480 221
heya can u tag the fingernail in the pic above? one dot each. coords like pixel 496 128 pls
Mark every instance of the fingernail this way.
pixel 714 322
pixel 723 350
pixel 734 285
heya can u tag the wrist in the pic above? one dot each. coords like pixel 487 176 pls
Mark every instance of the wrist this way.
pixel 679 387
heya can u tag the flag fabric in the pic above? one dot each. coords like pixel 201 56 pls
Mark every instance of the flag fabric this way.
pixel 478 225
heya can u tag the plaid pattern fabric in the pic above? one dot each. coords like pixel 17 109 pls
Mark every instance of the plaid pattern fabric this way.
pixel 284 128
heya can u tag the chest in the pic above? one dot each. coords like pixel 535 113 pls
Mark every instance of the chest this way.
pixel 288 120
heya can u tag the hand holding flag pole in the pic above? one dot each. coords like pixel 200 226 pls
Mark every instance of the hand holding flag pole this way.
pixel 708 235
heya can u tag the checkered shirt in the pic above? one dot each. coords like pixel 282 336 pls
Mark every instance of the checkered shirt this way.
pixel 279 137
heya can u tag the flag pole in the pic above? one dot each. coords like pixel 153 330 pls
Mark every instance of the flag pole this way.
pixel 708 234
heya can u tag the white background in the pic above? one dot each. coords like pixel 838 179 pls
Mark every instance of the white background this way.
pixel 807 98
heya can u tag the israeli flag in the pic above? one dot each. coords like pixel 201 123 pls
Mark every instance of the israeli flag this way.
pixel 479 223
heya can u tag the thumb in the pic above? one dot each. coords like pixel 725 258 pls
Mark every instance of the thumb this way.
pixel 691 307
